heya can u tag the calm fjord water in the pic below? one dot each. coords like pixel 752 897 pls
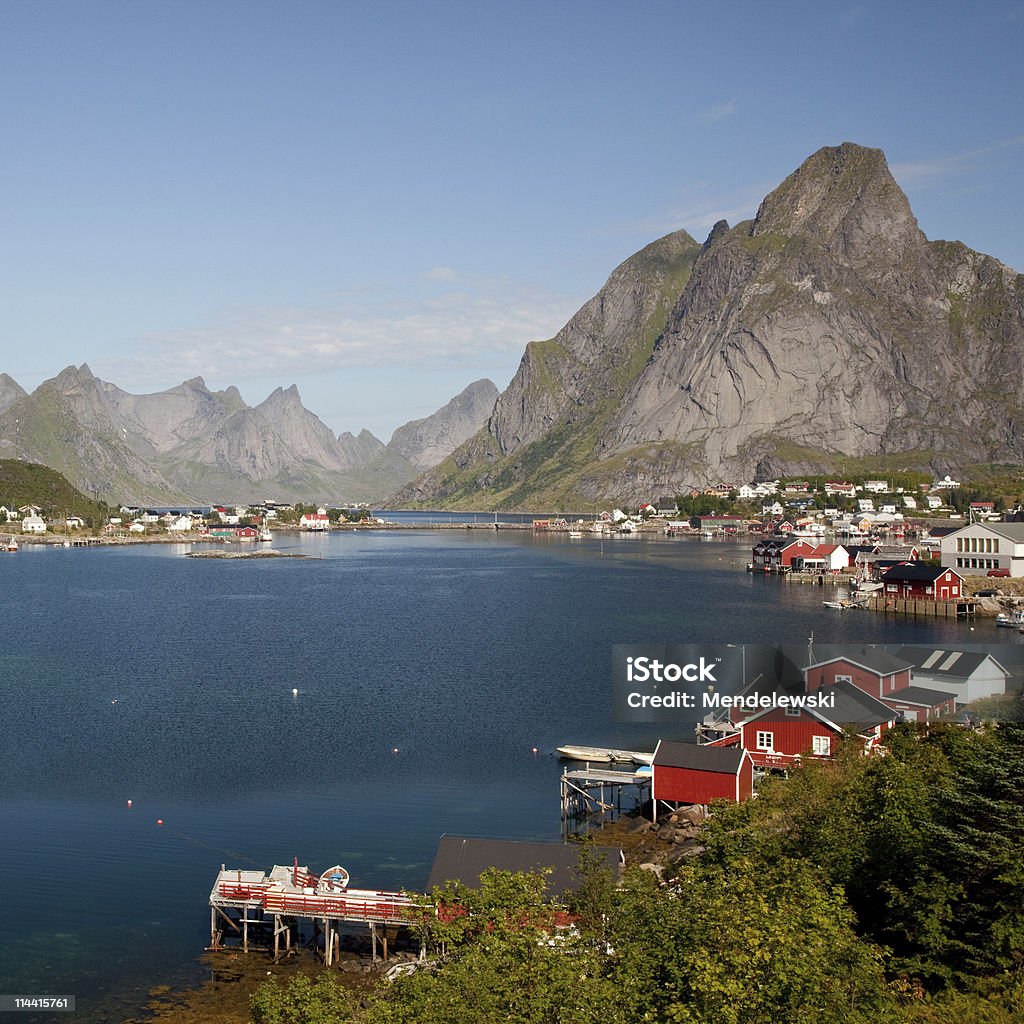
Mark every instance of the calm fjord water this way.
pixel 139 674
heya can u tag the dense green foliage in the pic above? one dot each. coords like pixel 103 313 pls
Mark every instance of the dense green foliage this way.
pixel 882 889
pixel 26 483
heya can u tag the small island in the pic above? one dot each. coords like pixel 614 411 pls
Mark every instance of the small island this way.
pixel 258 553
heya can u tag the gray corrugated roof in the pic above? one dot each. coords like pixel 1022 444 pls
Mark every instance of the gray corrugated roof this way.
pixel 920 695
pixel 463 859
pixel 1011 531
pixel 964 666
pixel 672 754
pixel 868 657
pixel 854 707
pixel 916 572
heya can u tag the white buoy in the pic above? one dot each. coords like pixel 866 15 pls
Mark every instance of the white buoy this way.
pixel 295 692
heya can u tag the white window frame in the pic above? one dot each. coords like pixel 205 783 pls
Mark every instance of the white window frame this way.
pixel 766 741
pixel 822 746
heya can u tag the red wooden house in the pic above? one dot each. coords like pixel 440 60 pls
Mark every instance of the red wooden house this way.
pixel 931 582
pixel 685 773
pixel 870 670
pixel 774 554
pixel 781 736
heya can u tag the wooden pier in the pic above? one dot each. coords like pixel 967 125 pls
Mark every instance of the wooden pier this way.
pixel 288 898
pixel 592 796
pixel 965 608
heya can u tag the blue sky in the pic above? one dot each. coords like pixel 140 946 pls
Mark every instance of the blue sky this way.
pixel 380 202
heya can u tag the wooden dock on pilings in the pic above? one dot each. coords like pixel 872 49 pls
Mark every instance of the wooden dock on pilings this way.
pixel 965 608
pixel 593 796
pixel 288 901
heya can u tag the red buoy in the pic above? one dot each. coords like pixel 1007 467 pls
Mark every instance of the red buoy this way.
pixel 159 821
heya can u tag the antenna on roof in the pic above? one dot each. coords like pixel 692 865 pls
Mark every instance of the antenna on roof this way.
pixel 810 648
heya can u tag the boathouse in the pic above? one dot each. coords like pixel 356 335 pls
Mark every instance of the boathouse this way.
pixel 685 773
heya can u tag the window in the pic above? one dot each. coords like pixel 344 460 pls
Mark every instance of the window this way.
pixel 792 712
pixel 822 745
pixel 844 679
pixel 766 741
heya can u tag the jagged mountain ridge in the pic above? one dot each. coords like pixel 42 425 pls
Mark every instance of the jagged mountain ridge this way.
pixel 189 444
pixel 827 328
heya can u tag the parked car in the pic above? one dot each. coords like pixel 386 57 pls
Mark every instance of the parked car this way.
pixel 999 572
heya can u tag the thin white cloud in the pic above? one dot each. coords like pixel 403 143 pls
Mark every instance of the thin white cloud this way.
pixel 918 172
pixel 452 328
pixel 445 274
pixel 718 112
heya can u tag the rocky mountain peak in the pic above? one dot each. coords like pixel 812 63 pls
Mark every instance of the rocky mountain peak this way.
pixel 845 198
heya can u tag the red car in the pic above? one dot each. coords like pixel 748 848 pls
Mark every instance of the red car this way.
pixel 999 572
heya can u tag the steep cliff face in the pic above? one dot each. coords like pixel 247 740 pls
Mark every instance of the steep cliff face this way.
pixel 827 324
pixel 827 327
pixel 426 442
pixel 541 434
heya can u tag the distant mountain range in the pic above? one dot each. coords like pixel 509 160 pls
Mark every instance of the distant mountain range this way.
pixel 825 335
pixel 828 334
pixel 193 445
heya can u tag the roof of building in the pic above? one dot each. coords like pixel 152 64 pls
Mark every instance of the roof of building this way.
pixel 854 708
pixel 723 760
pixel 943 663
pixel 920 695
pixel 916 572
pixel 463 859
pixel 871 658
pixel 1011 531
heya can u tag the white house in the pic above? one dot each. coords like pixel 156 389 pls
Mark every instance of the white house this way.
pixel 909 502
pixel 934 502
pixel 981 547
pixel 181 524
pixel 946 483
pixel 8 514
pixel 137 527
pixel 968 675
pixel 33 524
pixel 876 486
pixel 315 521
pixel 865 505
pixel 840 487
pixel 74 522
pixel 774 509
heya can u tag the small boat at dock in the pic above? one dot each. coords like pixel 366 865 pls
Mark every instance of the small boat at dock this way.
pixel 1011 620
pixel 605 755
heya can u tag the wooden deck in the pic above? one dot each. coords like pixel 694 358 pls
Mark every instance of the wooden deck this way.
pixel 287 896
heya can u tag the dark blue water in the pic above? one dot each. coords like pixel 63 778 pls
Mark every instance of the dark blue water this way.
pixel 428 666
